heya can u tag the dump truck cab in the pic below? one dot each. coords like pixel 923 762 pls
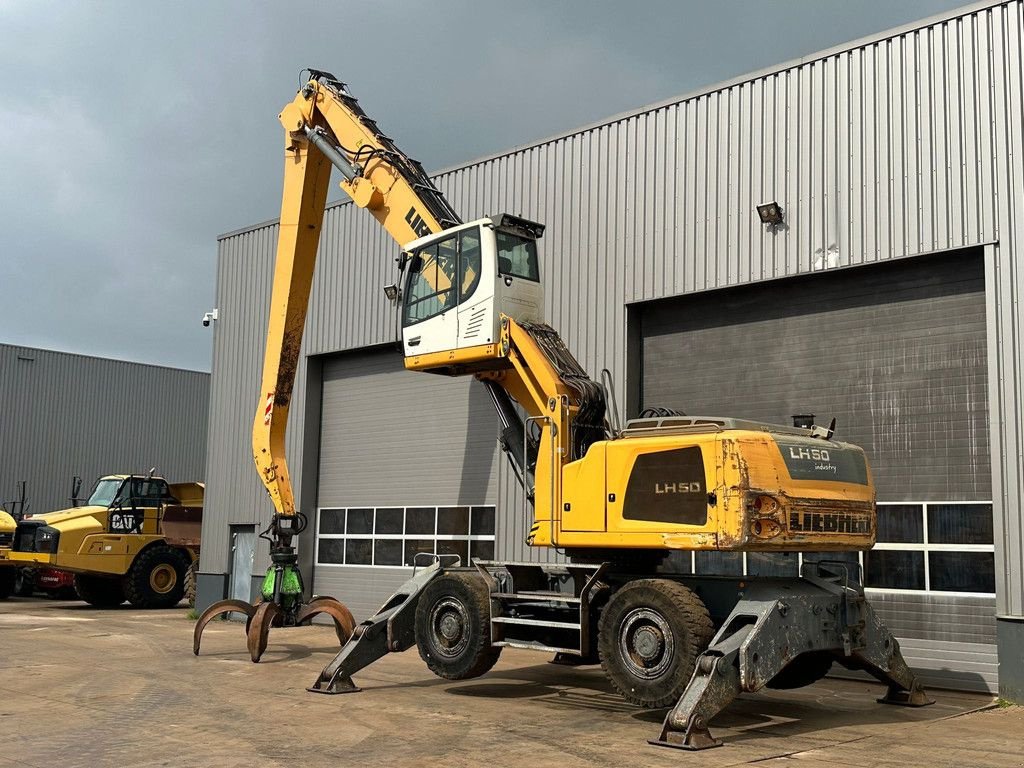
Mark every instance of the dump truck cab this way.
pixel 119 532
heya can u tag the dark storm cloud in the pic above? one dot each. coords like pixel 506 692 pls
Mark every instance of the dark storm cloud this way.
pixel 132 134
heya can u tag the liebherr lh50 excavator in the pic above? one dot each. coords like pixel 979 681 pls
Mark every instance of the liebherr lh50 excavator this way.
pixel 614 499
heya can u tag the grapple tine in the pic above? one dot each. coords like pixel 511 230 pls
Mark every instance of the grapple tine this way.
pixel 344 623
pixel 260 628
pixel 218 608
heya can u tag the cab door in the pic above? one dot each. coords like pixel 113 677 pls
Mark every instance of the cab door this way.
pixel 428 322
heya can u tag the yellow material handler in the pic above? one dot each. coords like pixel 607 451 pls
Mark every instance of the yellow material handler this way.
pixel 615 498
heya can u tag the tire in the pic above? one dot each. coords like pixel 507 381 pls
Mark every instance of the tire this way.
pixel 7 576
pixel 156 578
pixel 25 582
pixel 804 670
pixel 190 584
pixel 649 637
pixel 99 591
pixel 453 627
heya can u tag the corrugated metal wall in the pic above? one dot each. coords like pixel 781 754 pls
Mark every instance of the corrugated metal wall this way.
pixel 887 148
pixel 63 415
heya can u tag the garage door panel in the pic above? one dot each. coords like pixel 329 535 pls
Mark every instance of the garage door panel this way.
pixel 394 443
pixel 897 354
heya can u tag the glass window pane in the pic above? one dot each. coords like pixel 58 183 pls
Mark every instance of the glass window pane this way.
pixel 773 564
pixel 358 551
pixel 962 571
pixel 469 264
pixel 331 551
pixel 901 523
pixel 414 546
pixel 894 569
pixel 483 521
pixel 517 256
pixel 419 520
pixel 429 289
pixel 360 521
pixel 387 552
pixel 831 563
pixel 390 520
pixel 453 521
pixel 960 524
pixel 720 563
pixel 332 521
pixel 482 550
pixel 459 548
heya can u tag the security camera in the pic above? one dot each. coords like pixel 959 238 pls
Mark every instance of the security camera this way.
pixel 209 317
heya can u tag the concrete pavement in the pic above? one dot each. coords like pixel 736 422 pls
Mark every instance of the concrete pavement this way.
pixel 90 688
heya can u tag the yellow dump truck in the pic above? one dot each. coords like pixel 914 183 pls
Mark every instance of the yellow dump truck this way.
pixel 8 571
pixel 134 539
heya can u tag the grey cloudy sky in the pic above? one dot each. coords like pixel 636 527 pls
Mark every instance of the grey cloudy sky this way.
pixel 133 133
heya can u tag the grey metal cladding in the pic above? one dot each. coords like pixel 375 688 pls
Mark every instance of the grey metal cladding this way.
pixel 895 352
pixel 391 437
pixel 903 144
pixel 64 414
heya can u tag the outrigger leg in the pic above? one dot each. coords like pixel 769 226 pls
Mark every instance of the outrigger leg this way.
pixel 767 630
pixel 281 604
pixel 390 630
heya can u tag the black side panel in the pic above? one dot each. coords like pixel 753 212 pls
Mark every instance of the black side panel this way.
pixel 807 460
pixel 668 487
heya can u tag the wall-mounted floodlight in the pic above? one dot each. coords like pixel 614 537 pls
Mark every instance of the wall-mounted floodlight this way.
pixel 392 292
pixel 770 213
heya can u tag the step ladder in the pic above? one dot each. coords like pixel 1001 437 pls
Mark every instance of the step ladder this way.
pixel 543 606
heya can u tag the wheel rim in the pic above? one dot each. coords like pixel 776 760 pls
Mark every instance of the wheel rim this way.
pixel 449 625
pixel 646 643
pixel 163 578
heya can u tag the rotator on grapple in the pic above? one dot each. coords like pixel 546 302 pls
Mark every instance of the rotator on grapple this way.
pixel 281 601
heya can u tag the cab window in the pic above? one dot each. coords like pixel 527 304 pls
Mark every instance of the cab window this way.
pixel 517 256
pixel 431 281
pixel 469 263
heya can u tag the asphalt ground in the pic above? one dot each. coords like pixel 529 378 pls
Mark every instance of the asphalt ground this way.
pixel 92 688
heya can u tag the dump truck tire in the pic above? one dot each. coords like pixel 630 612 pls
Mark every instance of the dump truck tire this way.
pixel 804 670
pixel 649 637
pixel 98 591
pixel 24 582
pixel 156 578
pixel 453 627
pixel 7 576
pixel 190 584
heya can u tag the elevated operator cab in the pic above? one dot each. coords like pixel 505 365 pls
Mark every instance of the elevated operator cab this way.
pixel 460 281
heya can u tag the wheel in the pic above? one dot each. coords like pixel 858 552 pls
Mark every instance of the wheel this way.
pixel 453 632
pixel 805 669
pixel 190 584
pixel 649 637
pixel 156 578
pixel 7 577
pixel 99 591
pixel 24 582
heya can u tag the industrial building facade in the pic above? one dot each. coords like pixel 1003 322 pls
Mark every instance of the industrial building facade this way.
pixel 888 297
pixel 64 415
